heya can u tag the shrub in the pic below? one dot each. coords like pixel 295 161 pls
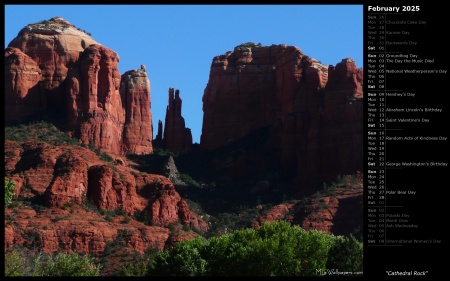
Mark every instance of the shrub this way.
pixel 104 156
pixel 142 216
pixel 68 264
pixel 9 191
pixel 187 179
pixel 126 219
pixel 133 269
pixel 13 264
pixel 19 263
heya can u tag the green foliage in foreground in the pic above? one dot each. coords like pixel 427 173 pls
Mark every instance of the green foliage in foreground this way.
pixel 346 253
pixel 9 191
pixel 61 264
pixel 275 249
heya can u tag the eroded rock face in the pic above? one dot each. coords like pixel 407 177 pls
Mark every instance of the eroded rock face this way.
pixel 94 107
pixel 23 97
pixel 248 89
pixel 135 92
pixel 33 166
pixel 165 206
pixel 70 181
pixel 75 229
pixel 338 212
pixel 112 189
pixel 65 179
pixel 57 71
pixel 310 115
pixel 177 138
pixel 54 46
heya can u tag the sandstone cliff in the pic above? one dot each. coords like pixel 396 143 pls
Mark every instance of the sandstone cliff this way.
pixel 311 113
pixel 94 108
pixel 23 98
pixel 56 71
pixel 54 46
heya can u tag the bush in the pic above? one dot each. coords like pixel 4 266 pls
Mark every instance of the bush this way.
pixel 126 219
pixel 104 156
pixel 275 249
pixel 13 264
pixel 187 179
pixel 9 191
pixel 133 269
pixel 346 255
pixel 20 263
pixel 68 264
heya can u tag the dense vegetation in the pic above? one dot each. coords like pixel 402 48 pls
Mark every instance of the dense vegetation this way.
pixel 61 264
pixel 275 249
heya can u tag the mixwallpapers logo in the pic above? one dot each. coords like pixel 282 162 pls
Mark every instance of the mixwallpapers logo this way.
pixel 330 272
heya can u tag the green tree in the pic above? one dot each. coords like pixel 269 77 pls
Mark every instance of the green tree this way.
pixel 275 249
pixel 183 260
pixel 346 255
pixel 68 264
pixel 9 191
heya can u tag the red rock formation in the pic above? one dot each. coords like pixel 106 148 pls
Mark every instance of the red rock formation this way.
pixel 165 206
pixel 339 214
pixel 111 189
pixel 70 181
pixel 313 122
pixel 23 98
pixel 340 211
pixel 343 103
pixel 177 138
pixel 13 152
pixel 94 107
pixel 66 174
pixel 278 212
pixel 75 229
pixel 9 237
pixel 248 88
pixel 135 92
pixel 88 104
pixel 332 142
pixel 54 46
pixel 34 166
pixel 70 175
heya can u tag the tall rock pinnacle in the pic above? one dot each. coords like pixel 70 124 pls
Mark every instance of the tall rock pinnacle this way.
pixel 135 93
pixel 177 138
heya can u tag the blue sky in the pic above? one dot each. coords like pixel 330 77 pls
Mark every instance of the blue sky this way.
pixel 178 42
